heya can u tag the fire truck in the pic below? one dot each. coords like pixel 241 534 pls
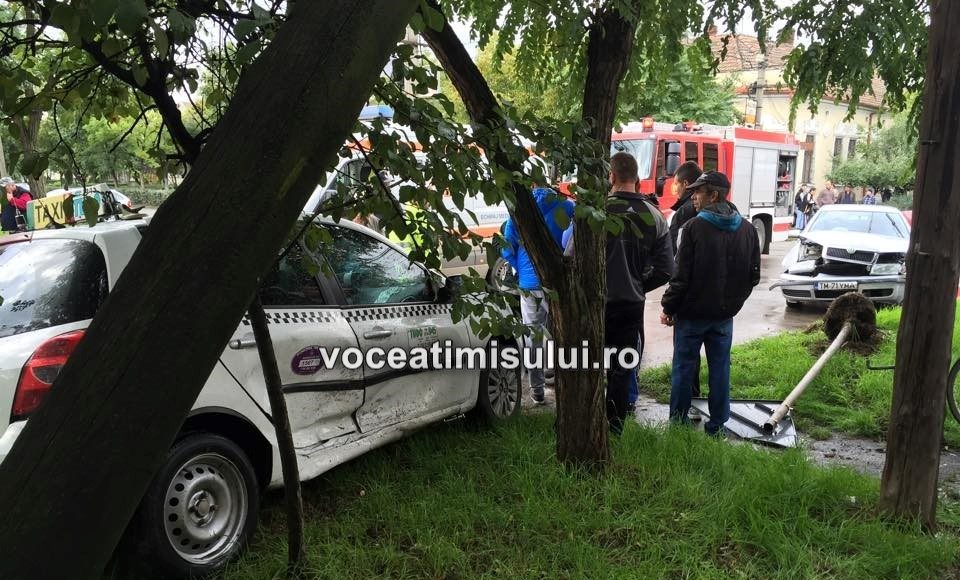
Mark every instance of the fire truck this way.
pixel 761 166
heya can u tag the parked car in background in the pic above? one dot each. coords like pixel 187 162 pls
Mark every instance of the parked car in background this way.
pixel 201 507
pixel 848 248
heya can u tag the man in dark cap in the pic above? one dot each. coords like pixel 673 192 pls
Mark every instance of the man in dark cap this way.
pixel 718 264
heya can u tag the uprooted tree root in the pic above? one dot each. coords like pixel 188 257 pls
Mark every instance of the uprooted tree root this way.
pixel 858 309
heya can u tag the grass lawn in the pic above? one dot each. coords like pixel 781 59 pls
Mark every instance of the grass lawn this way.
pixel 454 502
pixel 846 397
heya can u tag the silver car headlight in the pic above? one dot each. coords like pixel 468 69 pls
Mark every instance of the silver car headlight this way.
pixel 809 251
pixel 886 269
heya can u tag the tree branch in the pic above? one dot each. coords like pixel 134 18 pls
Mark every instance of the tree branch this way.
pixel 484 110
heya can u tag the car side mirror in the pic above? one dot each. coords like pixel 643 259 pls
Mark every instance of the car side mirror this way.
pixel 451 287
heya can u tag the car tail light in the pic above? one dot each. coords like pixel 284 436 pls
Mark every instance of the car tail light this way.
pixel 41 370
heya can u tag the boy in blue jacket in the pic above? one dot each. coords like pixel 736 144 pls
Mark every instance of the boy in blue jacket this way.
pixel 533 305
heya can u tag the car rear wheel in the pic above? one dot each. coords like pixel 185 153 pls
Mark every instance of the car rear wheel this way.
pixel 200 510
pixel 499 395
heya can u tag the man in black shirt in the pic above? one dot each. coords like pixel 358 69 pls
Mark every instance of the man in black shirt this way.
pixel 639 259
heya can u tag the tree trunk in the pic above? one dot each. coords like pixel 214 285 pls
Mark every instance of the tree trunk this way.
pixel 577 313
pixel 909 483
pixel 28 125
pixel 281 422
pixel 90 451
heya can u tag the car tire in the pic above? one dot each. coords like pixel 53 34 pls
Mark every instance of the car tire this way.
pixel 499 274
pixel 499 395
pixel 794 305
pixel 761 226
pixel 206 486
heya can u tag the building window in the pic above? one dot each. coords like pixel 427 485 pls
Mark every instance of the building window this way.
pixel 837 150
pixel 852 149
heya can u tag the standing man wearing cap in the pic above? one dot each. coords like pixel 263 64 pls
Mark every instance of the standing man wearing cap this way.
pixel 16 201
pixel 718 264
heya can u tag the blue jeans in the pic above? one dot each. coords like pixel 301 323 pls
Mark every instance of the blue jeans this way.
pixel 688 337
pixel 633 389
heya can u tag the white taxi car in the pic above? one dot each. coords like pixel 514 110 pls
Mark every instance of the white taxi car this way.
pixel 848 248
pixel 202 505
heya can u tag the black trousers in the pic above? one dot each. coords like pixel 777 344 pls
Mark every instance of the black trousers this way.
pixel 623 329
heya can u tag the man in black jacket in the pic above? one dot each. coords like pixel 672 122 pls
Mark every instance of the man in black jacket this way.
pixel 718 264
pixel 639 259
pixel 683 210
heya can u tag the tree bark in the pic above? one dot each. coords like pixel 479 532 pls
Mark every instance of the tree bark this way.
pixel 580 283
pixel 86 457
pixel 909 483
pixel 609 50
pixel 281 422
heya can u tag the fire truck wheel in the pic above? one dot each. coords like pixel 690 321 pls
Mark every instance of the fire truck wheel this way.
pixel 761 227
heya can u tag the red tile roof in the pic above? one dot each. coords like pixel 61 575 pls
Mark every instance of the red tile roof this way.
pixel 742 51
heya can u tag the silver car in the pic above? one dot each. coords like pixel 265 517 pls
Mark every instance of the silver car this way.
pixel 848 248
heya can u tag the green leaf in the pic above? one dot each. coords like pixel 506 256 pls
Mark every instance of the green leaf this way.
pixel 102 11
pixel 435 18
pixel 247 52
pixel 181 23
pixel 91 210
pixel 68 209
pixel 560 216
pixel 140 75
pixel 160 40
pixel 130 15
pixel 112 45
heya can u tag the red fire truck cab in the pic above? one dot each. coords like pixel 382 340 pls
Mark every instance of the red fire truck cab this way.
pixel 761 166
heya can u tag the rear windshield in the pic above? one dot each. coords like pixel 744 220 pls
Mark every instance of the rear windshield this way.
pixel 46 283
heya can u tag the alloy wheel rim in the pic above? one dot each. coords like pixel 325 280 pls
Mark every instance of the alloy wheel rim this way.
pixel 503 391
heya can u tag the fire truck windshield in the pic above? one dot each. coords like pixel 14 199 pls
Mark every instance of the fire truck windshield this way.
pixel 641 149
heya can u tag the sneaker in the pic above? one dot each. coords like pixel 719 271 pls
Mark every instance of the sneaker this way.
pixel 538 397
pixel 694 414
pixel 631 408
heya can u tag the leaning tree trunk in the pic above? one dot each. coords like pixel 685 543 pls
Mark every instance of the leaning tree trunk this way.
pixel 76 474
pixel 909 483
pixel 577 313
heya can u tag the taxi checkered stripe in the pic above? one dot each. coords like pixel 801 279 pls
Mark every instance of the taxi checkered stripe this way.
pixel 387 312
pixel 299 317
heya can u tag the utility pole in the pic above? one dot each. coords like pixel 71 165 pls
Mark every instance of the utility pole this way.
pixel 758 92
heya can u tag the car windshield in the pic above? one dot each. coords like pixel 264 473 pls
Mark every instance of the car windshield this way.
pixel 46 283
pixel 642 151
pixel 863 222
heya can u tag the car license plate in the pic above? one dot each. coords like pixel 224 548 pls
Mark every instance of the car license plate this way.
pixel 837 285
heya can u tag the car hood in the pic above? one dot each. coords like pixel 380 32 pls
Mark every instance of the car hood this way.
pixel 848 241
pixel 857 241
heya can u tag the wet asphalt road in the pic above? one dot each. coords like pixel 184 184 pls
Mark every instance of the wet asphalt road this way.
pixel 765 312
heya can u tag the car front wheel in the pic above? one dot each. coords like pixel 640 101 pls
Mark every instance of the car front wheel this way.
pixel 200 510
